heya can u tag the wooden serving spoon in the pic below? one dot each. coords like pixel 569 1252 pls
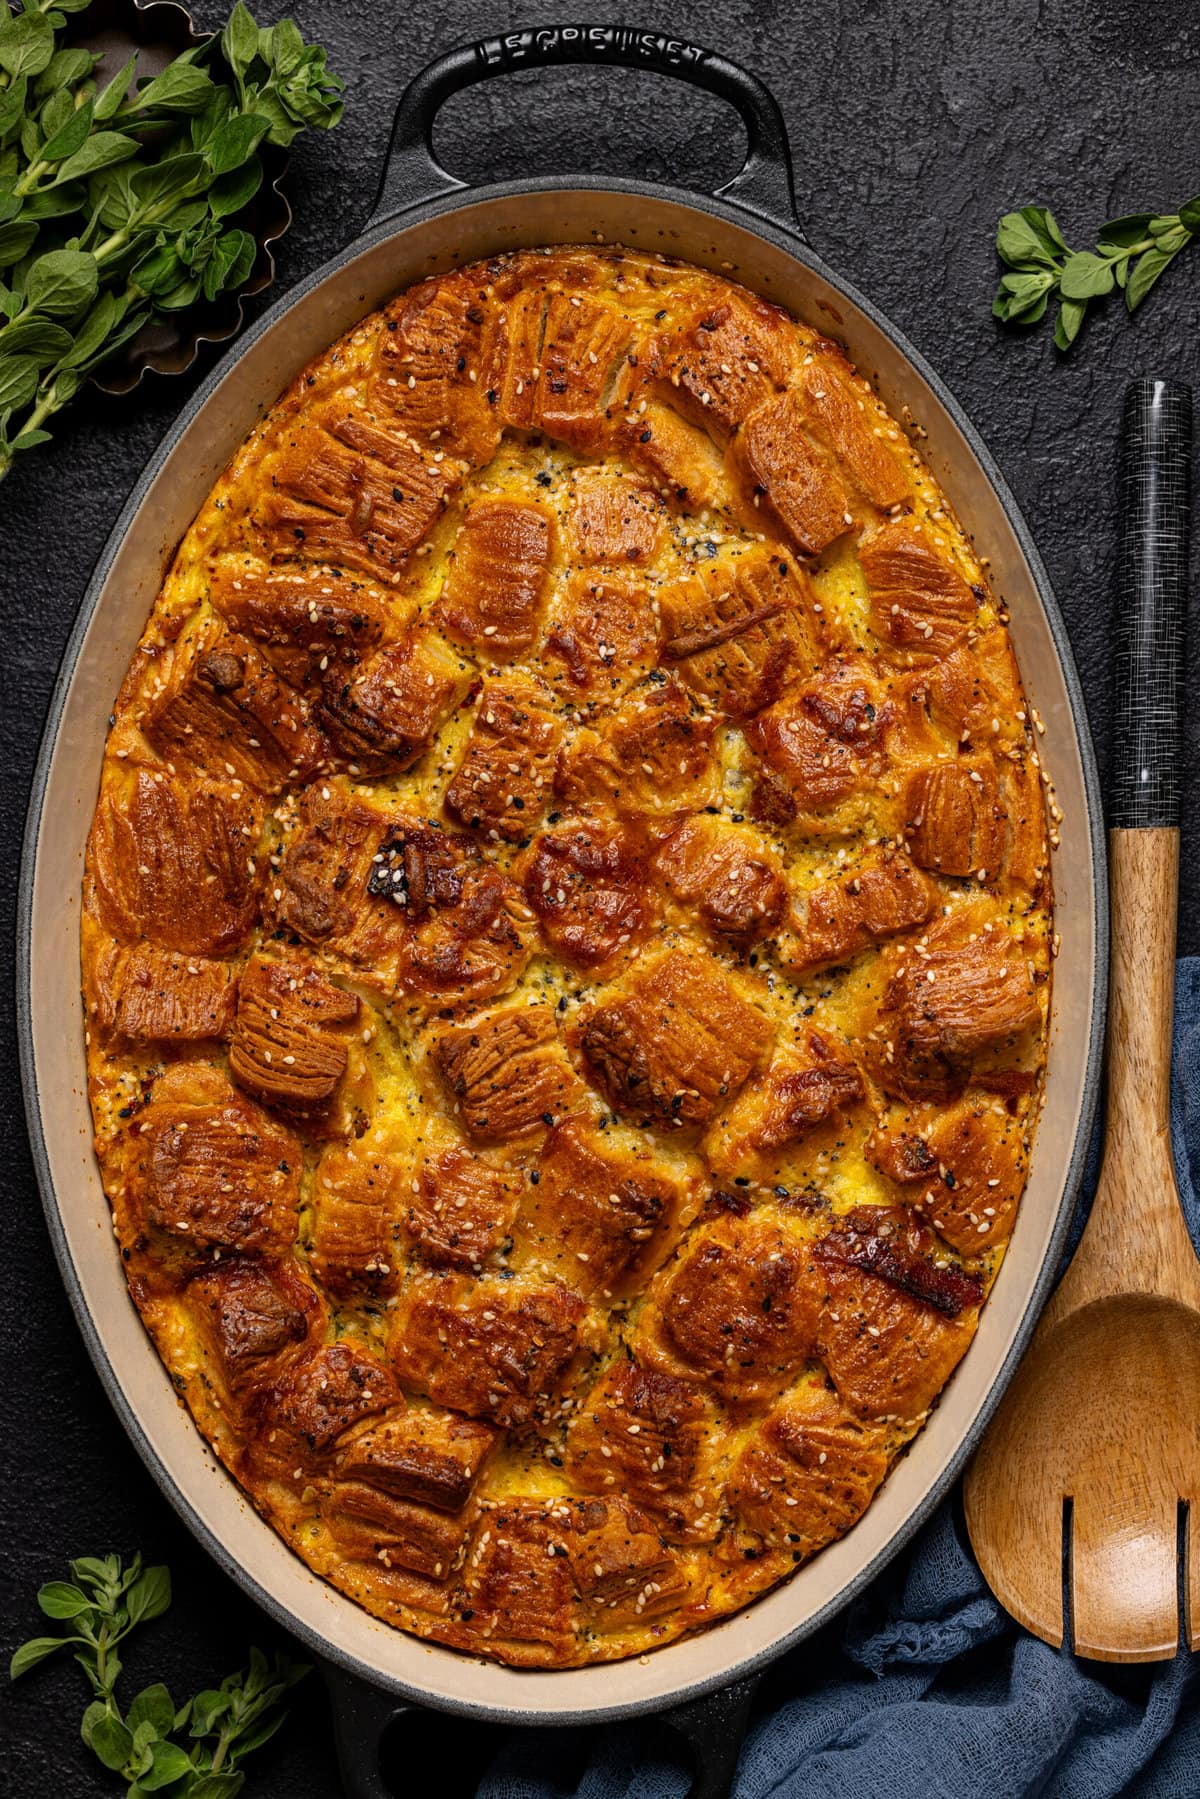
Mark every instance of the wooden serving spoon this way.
pixel 1077 1502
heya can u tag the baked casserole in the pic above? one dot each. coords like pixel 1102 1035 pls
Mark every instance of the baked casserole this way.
pixel 566 946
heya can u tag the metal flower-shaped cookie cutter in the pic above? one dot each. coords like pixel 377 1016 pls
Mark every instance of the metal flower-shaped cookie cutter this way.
pixel 115 30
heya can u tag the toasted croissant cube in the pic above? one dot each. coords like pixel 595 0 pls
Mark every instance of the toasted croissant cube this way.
pixel 955 818
pixel 459 1210
pixel 326 1392
pixel 728 873
pixel 962 1167
pixel 775 463
pixel 303 618
pixel 1026 862
pixel 583 347
pixel 319 892
pixel 494 1349
pixel 895 1322
pixel 840 418
pixel 212 699
pixel 160 995
pixel 678 1040
pixel 355 1199
pixel 288 1046
pixel 724 359
pixel 974 692
pixel 348 493
pixel 736 630
pixel 517 1579
pixel 253 1314
pixel 386 716
pixel 611 519
pixel 681 460
pixel 738 1310
pixel 814 1082
pixel 653 755
pixel 605 632
pixel 379 1528
pixel 919 603
pixel 586 883
pixel 879 898
pixel 505 779
pixel 648 1434
pixel 808 1473
pixel 970 994
pixel 425 1455
pixel 498 578
pixel 823 742
pixel 427 367
pixel 594 1214
pixel 512 348
pixel 213 1170
pixel 506 1072
pixel 176 860
pixel 472 949
pixel 623 1571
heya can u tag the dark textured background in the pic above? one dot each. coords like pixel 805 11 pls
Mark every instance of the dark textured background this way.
pixel 913 127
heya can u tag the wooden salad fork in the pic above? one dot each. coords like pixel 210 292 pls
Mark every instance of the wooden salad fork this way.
pixel 1083 1503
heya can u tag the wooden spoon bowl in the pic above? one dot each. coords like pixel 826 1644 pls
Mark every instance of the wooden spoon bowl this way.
pixel 1105 1410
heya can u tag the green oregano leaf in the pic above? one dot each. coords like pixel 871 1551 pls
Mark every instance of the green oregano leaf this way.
pixel 153 1706
pixel 150 1596
pixel 106 1736
pixel 236 139
pixel 180 88
pixel 168 1763
pixel 239 40
pixel 26 44
pixel 1146 271
pixel 1084 276
pixel 18 381
pixel 66 68
pixel 47 344
pixel 175 178
pixel 103 150
pixel 70 136
pixel 233 191
pixel 111 98
pixel 1130 229
pixel 1071 314
pixel 37 1648
pixel 62 282
pixel 1021 242
pixel 16 239
pixel 96 327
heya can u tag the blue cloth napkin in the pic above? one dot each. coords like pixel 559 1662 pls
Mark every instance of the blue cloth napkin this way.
pixel 925 1688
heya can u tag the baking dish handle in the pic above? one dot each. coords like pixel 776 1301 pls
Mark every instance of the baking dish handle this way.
pixel 362 1717
pixel 413 175
pixel 712 1728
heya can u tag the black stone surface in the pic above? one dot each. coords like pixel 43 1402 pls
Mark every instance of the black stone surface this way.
pixel 913 127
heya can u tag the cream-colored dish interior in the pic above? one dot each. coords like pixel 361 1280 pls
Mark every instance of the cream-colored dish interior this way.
pixel 177 491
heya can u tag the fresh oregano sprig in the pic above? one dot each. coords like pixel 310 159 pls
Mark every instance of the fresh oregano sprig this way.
pixel 102 1602
pixel 1131 254
pixel 119 203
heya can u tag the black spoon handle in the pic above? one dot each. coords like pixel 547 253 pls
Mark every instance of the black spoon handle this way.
pixel 1151 604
